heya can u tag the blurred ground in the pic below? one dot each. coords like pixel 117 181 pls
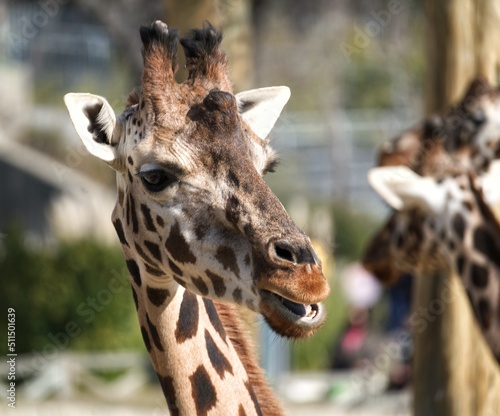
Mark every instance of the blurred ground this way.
pixel 389 405
pixel 303 395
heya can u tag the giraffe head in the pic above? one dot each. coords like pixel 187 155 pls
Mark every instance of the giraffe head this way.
pixel 433 220
pixel 442 223
pixel 192 208
pixel 414 228
pixel 465 136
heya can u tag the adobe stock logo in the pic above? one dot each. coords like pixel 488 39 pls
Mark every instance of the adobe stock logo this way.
pixel 27 28
pixel 373 28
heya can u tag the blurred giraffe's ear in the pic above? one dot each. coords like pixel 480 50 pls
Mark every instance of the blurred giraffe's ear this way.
pixel 262 107
pixel 403 189
pixel 95 123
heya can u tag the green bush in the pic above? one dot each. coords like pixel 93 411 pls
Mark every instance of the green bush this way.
pixel 76 296
pixel 352 231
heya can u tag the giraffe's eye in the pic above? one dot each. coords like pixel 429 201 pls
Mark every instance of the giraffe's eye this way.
pixel 156 180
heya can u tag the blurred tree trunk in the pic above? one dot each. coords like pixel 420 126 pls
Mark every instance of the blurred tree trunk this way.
pixel 463 40
pixel 454 373
pixel 234 18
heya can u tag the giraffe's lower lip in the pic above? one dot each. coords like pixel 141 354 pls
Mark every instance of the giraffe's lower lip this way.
pixel 289 318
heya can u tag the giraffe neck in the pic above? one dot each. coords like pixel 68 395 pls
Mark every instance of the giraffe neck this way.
pixel 471 234
pixel 479 267
pixel 202 365
pixel 184 332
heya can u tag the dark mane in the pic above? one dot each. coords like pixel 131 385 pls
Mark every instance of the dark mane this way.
pixel 205 61
pixel 161 41
pixel 201 42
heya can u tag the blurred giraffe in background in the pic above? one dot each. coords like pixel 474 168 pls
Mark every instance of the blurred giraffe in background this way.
pixel 441 223
pixel 461 143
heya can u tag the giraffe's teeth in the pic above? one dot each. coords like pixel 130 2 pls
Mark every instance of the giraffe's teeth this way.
pixel 311 311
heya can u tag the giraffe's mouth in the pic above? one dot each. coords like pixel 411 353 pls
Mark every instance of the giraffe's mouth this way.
pixel 290 318
pixel 299 309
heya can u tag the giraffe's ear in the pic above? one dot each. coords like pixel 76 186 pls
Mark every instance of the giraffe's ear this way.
pixel 403 189
pixel 95 123
pixel 261 108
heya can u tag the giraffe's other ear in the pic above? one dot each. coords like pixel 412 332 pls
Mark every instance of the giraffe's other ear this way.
pixel 95 123
pixel 261 108
pixel 403 189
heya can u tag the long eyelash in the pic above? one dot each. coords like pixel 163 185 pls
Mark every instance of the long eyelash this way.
pixel 271 166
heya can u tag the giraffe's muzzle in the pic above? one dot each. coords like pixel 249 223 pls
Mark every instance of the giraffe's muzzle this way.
pixel 291 300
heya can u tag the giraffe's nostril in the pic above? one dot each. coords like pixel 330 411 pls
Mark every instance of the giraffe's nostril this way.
pixel 284 253
pixel 292 252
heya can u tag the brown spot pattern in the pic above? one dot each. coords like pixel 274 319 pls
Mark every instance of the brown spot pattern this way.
pixel 144 256
pixel 202 391
pixel 154 334
pixel 154 249
pixel 237 296
pixel 134 296
pixel 148 220
pixel 217 358
pixel 154 270
pixel 178 247
pixel 232 210
pixel 217 283
pixel 134 271
pixel 157 296
pixel 167 386
pixel 458 225
pixel 479 276
pixel 133 214
pixel 249 230
pixel 160 221
pixel 253 397
pixel 121 195
pixel 460 264
pixel 484 313
pixel 467 205
pixel 174 268
pixel 145 338
pixel 213 316
pixel 200 231
pixel 200 285
pixel 187 324
pixel 233 179
pixel 484 242
pixel 179 281
pixel 225 255
pixel 119 231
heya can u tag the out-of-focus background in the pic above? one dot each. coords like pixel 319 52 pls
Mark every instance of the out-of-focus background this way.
pixel 355 69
